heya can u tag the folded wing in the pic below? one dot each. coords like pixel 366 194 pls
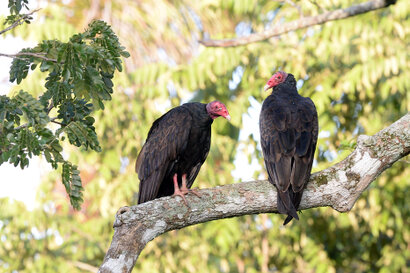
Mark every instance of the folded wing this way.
pixel 167 138
pixel 288 138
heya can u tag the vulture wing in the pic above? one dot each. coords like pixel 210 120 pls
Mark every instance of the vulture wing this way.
pixel 167 138
pixel 288 137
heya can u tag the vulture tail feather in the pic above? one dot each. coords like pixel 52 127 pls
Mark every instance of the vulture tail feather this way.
pixel 285 206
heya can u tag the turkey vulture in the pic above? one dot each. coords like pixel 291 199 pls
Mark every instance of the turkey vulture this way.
pixel 289 129
pixel 176 147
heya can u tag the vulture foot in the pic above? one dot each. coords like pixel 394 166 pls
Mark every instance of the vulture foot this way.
pixel 186 191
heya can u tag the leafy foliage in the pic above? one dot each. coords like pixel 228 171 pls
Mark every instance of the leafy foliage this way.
pixel 15 6
pixel 79 80
pixel 82 134
pixel 80 68
pixel 19 142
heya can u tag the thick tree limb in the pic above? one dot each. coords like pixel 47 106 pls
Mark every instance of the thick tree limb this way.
pixel 301 23
pixel 338 187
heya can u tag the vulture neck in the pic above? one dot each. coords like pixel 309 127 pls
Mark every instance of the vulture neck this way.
pixel 208 111
pixel 199 113
pixel 285 90
pixel 287 87
pixel 212 116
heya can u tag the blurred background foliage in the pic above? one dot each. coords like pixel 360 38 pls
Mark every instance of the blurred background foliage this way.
pixel 355 70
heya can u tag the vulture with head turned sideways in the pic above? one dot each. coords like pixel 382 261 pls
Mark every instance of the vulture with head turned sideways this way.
pixel 289 131
pixel 176 147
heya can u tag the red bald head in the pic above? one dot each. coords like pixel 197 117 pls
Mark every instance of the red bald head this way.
pixel 217 109
pixel 276 79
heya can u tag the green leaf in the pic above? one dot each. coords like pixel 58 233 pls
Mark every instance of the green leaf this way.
pixel 32 108
pixel 72 183
pixel 81 134
pixel 15 6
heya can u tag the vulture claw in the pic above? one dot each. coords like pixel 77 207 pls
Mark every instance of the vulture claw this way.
pixel 181 194
pixel 195 192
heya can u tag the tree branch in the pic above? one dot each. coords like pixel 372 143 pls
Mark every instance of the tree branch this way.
pixel 301 23
pixel 37 55
pixel 20 21
pixel 338 187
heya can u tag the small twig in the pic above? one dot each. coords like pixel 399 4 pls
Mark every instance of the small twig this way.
pixel 37 55
pixel 50 107
pixel 84 266
pixel 57 122
pixel 22 126
pixel 19 21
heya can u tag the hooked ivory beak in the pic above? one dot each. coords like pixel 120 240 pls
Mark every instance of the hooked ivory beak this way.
pixel 228 117
pixel 267 87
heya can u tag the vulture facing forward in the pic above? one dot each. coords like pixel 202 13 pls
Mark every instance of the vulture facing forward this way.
pixel 176 147
pixel 289 131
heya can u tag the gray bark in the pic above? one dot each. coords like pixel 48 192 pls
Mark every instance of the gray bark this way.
pixel 338 187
